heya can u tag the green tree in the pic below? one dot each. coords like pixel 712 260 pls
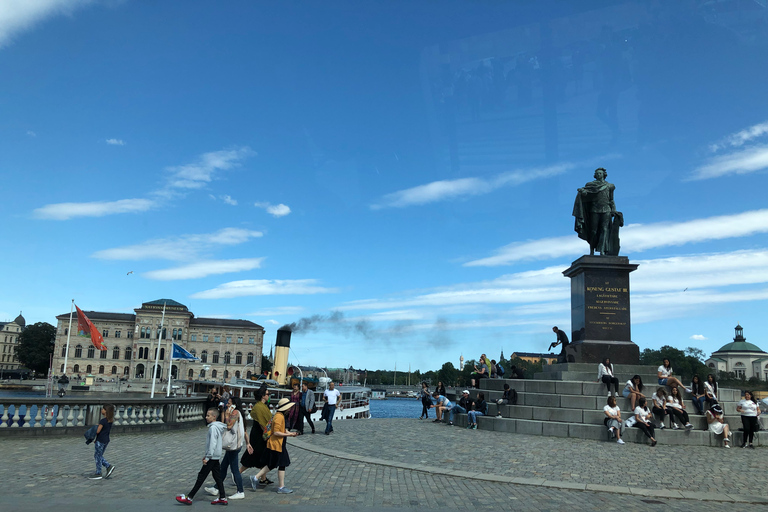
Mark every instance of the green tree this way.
pixel 684 363
pixel 36 346
pixel 448 374
pixel 266 366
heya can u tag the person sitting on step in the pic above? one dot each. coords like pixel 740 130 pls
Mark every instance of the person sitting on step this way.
pixel 659 401
pixel 605 374
pixel 633 390
pixel 717 424
pixel 612 419
pixel 665 375
pixel 464 405
pixel 508 397
pixel 642 420
pixel 676 409
pixel 480 408
pixel 441 405
pixel 698 394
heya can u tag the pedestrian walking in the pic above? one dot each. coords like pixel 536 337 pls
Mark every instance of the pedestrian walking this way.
pixel 210 461
pixel 102 440
pixel 261 416
pixel 234 420
pixel 306 408
pixel 332 399
pixel 276 453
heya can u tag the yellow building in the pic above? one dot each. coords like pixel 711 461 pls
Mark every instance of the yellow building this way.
pixel 535 357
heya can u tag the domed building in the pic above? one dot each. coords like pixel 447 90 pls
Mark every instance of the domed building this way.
pixel 743 359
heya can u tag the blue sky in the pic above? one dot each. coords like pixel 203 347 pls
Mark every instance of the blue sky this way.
pixel 404 170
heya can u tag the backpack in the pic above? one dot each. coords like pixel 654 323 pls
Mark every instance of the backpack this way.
pixel 499 370
pixel 267 431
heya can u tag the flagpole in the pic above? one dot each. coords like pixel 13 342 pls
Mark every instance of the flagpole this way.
pixel 157 354
pixel 69 333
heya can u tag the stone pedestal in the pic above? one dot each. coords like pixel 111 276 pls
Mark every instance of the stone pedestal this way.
pixel 600 312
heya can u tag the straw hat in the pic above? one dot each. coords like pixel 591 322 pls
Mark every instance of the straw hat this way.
pixel 284 404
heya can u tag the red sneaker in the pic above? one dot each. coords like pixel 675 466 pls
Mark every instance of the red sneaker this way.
pixel 219 501
pixel 183 499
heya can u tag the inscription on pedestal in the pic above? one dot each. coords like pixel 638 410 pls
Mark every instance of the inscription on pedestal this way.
pixel 606 301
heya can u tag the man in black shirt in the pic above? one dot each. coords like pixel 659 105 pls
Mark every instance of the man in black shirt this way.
pixel 562 340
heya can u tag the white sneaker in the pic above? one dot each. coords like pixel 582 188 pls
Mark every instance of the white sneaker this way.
pixel 688 426
pixel 237 496
pixel 675 426
pixel 213 491
pixel 609 394
pixel 620 441
pixel 689 390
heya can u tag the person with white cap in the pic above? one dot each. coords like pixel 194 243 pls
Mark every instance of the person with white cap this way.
pixel 276 454
pixel 464 405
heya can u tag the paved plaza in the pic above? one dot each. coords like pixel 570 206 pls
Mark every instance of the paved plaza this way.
pixel 394 464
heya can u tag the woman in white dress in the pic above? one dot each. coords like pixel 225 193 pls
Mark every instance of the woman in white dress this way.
pixel 717 424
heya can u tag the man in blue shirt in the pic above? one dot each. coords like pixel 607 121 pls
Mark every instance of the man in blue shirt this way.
pixel 442 404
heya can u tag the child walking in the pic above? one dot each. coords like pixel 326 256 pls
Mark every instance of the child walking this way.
pixel 102 440
pixel 210 461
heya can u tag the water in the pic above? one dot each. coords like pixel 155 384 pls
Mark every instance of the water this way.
pixel 396 408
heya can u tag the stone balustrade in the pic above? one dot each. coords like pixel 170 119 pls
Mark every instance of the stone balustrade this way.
pixel 44 416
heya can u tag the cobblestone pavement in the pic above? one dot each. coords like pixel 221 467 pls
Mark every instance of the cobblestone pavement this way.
pixel 361 471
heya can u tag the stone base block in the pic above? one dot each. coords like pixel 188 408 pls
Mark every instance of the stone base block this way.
pixel 621 352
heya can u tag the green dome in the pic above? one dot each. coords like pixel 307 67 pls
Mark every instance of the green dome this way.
pixel 739 346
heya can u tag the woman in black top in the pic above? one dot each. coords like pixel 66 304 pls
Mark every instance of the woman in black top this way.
pixel 698 394
pixel 426 401
pixel 440 388
pixel 102 440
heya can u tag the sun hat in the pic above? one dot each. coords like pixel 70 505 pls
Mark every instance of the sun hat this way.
pixel 284 404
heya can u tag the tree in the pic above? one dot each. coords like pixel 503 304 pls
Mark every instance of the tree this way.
pixel 35 348
pixel 266 366
pixel 448 374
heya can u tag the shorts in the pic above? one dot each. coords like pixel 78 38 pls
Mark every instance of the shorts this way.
pixel 625 393
pixel 662 382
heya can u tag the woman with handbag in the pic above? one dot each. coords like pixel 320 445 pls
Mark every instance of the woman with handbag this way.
pixel 276 454
pixel 231 442
pixel 261 416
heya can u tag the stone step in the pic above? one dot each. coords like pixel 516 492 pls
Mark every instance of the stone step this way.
pixel 599 432
pixel 587 376
pixel 592 368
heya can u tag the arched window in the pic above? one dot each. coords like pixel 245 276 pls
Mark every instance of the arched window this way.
pixel 249 359
pixel 213 374
pixel 239 358
pixel 740 369
pixel 101 370
pixel 162 354
pixel 204 356
pixel 139 371
pixel 226 374
pixel 128 353
pixel 91 352
pixel 193 352
pixel 227 358
pixel 102 354
pixel 62 368
pixel 191 374
pixel 237 374
pixel 127 371
pixel 116 353
pixel 76 368
pixel 89 369
pixel 202 374
pixel 79 351
pixel 114 370
pixel 64 350
pixel 215 357
pixel 248 374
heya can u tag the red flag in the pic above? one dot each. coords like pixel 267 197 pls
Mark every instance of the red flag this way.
pixel 86 329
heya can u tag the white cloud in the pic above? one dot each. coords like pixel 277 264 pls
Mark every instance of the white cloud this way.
pixel 738 139
pixel 183 247
pixel 196 175
pixel 278 311
pixel 278 210
pixel 115 142
pixel 698 337
pixel 65 211
pixel 228 200
pixel 451 189
pixel 31 133
pixel 204 268
pixel 273 322
pixel 635 238
pixel 253 287
pixel 741 162
pixel 19 15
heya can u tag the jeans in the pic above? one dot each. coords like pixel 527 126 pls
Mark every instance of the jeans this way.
pixel 329 421
pixel 698 402
pixel 472 416
pixel 230 462
pixel 454 410
pixel 99 456
pixel 212 467
pixel 303 413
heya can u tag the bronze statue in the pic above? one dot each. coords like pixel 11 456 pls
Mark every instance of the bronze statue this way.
pixel 597 220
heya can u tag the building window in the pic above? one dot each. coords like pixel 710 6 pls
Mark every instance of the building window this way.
pixel 128 353
pixel 205 337
pixel 178 335
pixel 191 374
pixel 239 358
pixel 129 335
pixel 251 340
pixel 226 374
pixel 229 339
pixel 237 374
pixel 213 374
pixel 66 331
pixel 114 370
pixel 193 337
pixel 89 369
pixel 79 351
pixel 116 353
pixel 62 368
pixel 216 357
pixel 64 350
pixel 101 370
pixel 91 352
pixel 143 333
pixel 102 354
pixel 239 339
pixel 117 333
pixel 105 333
pixel 202 374
pixel 163 335
pixel 204 356
pixel 227 358
pixel 76 368
pixel 127 371
pixel 217 339
pixel 139 371
pixel 740 370
pixel 249 360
